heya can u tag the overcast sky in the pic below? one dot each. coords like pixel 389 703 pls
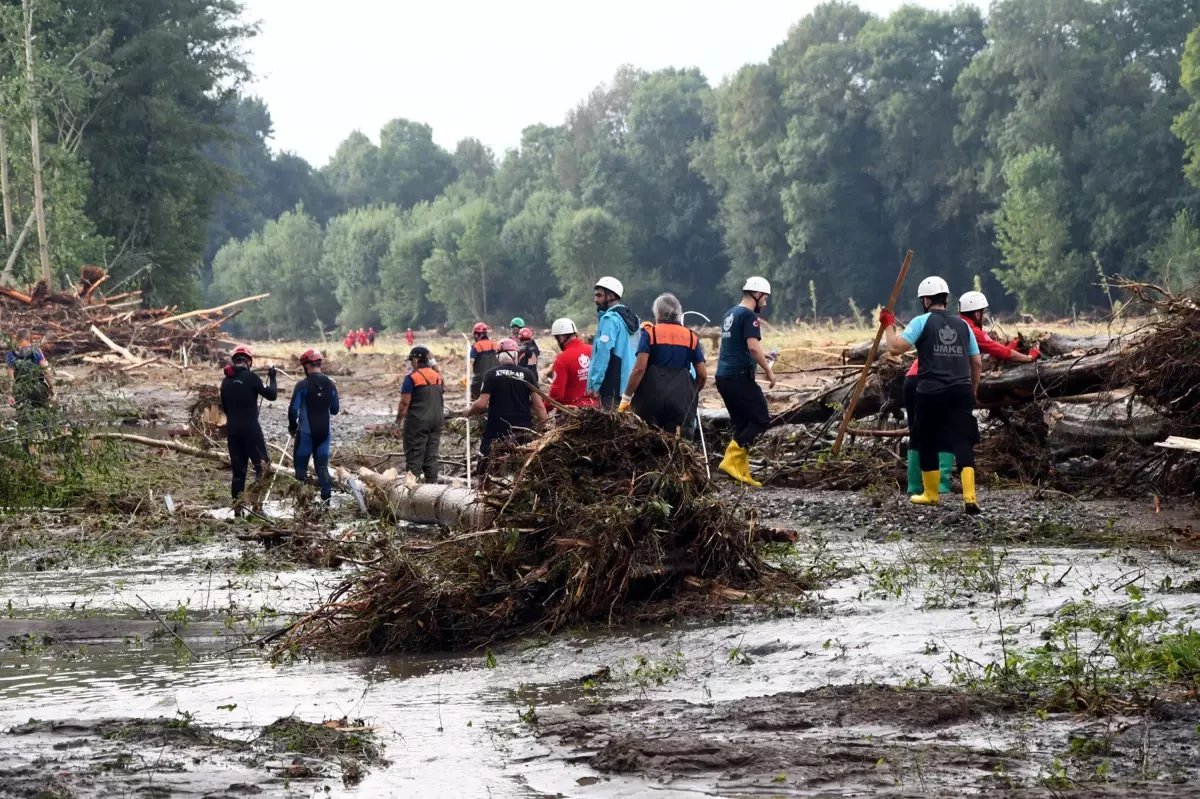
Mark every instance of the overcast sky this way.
pixel 485 68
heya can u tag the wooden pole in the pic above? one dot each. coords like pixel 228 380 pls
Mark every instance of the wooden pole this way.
pixel 35 144
pixel 862 378
pixel 468 419
pixel 4 195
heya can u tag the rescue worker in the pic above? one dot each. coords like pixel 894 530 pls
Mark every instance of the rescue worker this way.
pixel 484 354
pixel 349 341
pixel 571 366
pixel 528 352
pixel 362 337
pixel 613 348
pixel 240 392
pixel 509 401
pixel 947 379
pixel 662 386
pixel 31 381
pixel 515 327
pixel 422 416
pixel 741 351
pixel 972 307
pixel 408 337
pixel 371 337
pixel 314 400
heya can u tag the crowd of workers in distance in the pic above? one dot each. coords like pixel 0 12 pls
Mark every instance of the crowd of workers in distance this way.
pixel 655 370
pixel 360 338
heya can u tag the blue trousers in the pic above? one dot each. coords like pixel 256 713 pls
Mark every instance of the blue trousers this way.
pixel 320 455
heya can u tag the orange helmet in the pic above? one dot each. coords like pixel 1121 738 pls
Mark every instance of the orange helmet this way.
pixel 243 351
pixel 526 334
pixel 311 356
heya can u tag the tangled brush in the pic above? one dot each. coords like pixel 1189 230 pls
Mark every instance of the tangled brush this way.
pixel 600 519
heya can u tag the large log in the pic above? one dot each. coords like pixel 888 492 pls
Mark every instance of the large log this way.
pixel 1047 378
pixel 820 407
pixel 1058 344
pixel 1088 428
pixel 858 352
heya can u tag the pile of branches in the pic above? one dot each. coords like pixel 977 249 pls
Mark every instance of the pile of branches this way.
pixel 1164 366
pixel 600 519
pixel 84 322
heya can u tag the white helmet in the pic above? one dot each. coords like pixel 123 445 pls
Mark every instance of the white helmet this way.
pixel 611 284
pixel 757 284
pixel 932 286
pixel 562 327
pixel 972 301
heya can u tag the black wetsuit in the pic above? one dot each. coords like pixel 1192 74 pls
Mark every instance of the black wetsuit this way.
pixel 240 391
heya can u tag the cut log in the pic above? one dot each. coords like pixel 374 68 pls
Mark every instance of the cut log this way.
pixel 427 503
pixel 822 406
pixel 858 352
pixel 1094 428
pixel 1178 442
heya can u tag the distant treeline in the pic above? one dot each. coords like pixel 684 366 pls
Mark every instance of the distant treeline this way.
pixel 1037 150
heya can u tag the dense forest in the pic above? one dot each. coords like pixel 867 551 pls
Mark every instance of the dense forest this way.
pixel 1033 150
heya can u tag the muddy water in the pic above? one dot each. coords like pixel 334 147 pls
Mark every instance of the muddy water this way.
pixel 452 726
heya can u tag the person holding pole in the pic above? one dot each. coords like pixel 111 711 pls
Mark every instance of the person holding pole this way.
pixel 741 351
pixel 947 380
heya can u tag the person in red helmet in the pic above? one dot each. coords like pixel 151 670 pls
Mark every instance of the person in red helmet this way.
pixel 408 337
pixel 362 337
pixel 314 401
pixel 571 366
pixel 240 390
pixel 349 341
pixel 484 357
pixel 528 352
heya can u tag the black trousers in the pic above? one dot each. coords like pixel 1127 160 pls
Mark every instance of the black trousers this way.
pixel 246 444
pixel 946 423
pixel 746 405
pixel 914 421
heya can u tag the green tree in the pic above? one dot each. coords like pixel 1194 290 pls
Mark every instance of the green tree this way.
pixel 1033 235
pixel 586 245
pixel 355 247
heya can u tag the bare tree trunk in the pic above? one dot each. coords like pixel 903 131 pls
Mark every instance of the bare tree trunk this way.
pixel 8 220
pixel 35 142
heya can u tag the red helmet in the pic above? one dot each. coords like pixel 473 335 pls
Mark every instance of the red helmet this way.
pixel 244 351
pixel 480 327
pixel 526 334
pixel 508 345
pixel 311 356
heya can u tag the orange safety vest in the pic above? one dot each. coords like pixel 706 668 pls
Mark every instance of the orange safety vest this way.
pixel 426 403
pixel 672 335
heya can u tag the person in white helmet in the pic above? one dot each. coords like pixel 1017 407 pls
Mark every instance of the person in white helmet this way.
pixel 613 351
pixel 972 307
pixel 741 351
pixel 569 386
pixel 947 379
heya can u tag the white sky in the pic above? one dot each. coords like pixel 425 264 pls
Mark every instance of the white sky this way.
pixel 485 68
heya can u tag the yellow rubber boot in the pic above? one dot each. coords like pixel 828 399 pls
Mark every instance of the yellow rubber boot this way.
pixel 744 461
pixel 729 463
pixel 930 481
pixel 968 483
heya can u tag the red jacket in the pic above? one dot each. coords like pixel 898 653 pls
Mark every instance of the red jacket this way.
pixel 571 374
pixel 987 346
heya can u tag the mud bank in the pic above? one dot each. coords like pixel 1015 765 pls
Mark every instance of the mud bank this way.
pixel 875 740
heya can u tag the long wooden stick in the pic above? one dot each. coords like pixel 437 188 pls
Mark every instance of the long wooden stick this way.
pixel 203 311
pixel 112 345
pixel 862 378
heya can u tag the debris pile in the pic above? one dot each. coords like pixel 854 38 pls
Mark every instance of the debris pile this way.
pixel 598 520
pixel 1083 417
pixel 84 323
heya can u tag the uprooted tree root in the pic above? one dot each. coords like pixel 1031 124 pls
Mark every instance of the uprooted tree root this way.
pixel 600 519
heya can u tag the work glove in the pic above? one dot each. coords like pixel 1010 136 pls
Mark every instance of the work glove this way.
pixel 293 429
pixel 887 318
pixel 271 373
pixel 625 402
pixel 1035 353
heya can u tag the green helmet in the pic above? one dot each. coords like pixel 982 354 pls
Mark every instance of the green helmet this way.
pixel 517 322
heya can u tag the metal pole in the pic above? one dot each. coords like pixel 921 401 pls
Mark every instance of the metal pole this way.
pixel 282 455
pixel 862 378
pixel 468 419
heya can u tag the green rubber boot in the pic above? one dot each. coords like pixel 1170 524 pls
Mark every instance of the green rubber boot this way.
pixel 946 466
pixel 914 473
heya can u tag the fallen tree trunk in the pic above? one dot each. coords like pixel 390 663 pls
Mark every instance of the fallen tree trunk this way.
pixel 820 407
pixel 858 353
pixel 1058 344
pixel 1046 378
pixel 427 503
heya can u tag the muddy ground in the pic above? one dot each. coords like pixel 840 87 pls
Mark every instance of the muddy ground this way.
pixel 123 670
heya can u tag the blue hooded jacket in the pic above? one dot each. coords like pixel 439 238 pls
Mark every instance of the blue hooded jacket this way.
pixel 613 352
